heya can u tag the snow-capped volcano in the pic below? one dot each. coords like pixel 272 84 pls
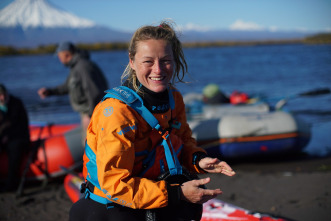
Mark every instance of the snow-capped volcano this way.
pixel 40 13
pixel 30 23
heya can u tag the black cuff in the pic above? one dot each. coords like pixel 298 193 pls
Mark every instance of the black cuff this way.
pixel 197 156
pixel 174 193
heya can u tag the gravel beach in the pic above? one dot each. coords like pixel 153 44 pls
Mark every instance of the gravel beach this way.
pixel 298 189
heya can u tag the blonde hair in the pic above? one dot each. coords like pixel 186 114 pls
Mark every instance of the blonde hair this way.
pixel 164 31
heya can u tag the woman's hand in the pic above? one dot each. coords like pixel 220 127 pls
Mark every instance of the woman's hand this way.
pixel 191 192
pixel 214 165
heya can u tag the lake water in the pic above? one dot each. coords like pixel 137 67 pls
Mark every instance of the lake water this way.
pixel 274 72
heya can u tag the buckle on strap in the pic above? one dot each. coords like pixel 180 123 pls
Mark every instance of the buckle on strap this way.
pixel 164 133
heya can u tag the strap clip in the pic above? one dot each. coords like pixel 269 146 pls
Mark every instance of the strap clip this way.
pixel 164 134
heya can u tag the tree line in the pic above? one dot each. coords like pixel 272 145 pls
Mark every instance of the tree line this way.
pixel 324 38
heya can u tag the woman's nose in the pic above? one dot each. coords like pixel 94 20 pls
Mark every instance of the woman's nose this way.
pixel 157 67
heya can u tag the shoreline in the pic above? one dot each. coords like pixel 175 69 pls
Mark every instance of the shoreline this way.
pixel 319 39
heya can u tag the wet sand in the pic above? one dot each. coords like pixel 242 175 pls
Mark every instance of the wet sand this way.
pixel 298 189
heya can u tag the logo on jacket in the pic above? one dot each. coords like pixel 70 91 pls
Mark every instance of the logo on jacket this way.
pixel 125 95
pixel 162 107
pixel 108 111
pixel 127 129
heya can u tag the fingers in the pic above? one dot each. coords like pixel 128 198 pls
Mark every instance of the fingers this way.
pixel 225 169
pixel 195 194
pixel 214 165
pixel 203 181
pixel 208 163
pixel 214 193
pixel 208 194
pixel 207 191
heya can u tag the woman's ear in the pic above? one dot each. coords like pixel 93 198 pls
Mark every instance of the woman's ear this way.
pixel 131 62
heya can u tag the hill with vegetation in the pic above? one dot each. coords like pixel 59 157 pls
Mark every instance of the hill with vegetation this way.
pixel 324 38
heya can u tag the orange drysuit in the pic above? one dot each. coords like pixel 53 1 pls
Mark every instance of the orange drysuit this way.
pixel 116 136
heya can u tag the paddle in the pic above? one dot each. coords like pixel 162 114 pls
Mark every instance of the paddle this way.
pixel 314 92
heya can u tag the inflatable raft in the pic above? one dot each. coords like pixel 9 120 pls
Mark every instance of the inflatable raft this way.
pixel 251 134
pixel 213 210
pixel 52 146
pixel 252 129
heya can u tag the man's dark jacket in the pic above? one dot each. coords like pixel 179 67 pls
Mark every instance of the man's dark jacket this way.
pixel 85 84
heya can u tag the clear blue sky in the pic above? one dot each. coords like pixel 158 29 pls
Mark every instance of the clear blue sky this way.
pixel 312 15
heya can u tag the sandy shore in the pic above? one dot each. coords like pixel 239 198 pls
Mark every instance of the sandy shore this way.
pixel 298 189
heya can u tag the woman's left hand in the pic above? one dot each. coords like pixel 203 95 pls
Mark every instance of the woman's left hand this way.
pixel 214 165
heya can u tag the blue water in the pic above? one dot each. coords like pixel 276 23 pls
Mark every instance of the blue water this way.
pixel 274 72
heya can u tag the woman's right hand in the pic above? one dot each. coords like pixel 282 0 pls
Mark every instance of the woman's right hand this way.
pixel 191 192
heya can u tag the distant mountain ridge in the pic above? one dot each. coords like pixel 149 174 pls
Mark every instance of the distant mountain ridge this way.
pixel 242 35
pixel 31 23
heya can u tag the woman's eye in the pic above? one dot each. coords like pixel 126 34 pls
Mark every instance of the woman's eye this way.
pixel 148 62
pixel 166 61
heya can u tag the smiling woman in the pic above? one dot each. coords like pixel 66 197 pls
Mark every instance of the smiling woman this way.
pixel 157 58
pixel 141 159
pixel 153 64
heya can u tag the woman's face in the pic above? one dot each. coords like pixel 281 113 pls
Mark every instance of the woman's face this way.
pixel 153 64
